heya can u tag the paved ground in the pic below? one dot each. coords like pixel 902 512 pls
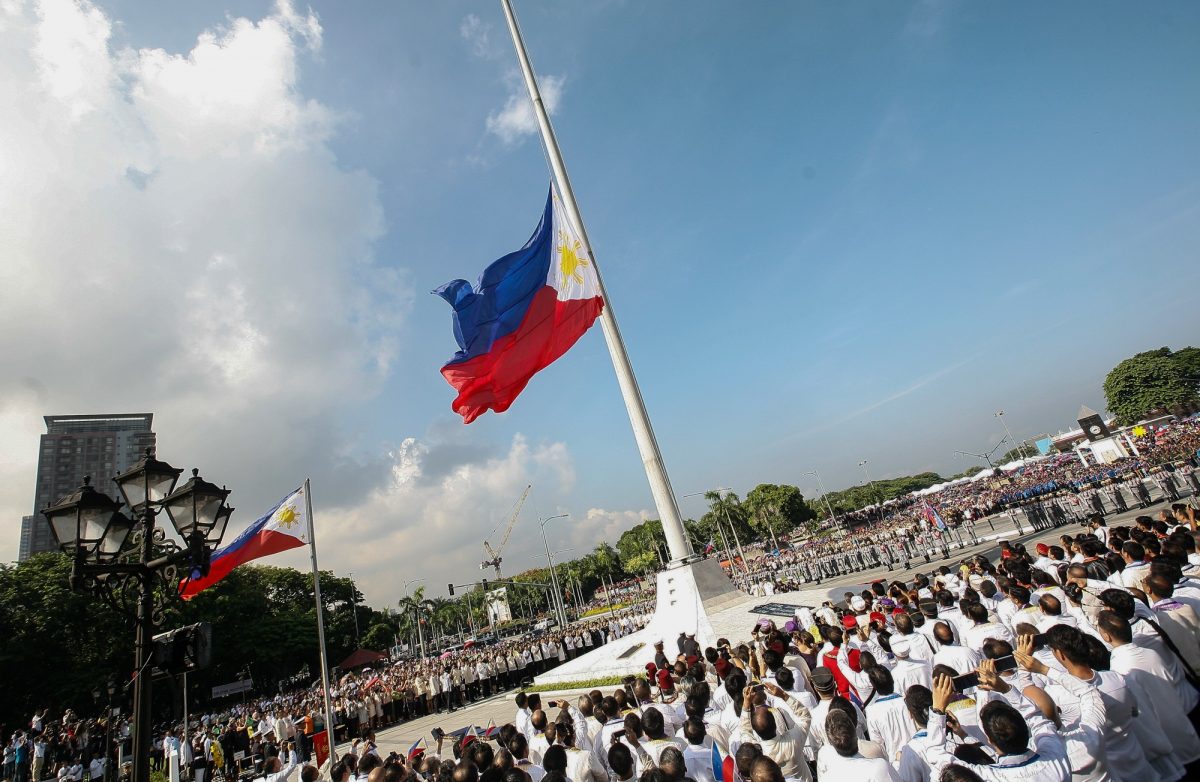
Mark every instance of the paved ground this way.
pixel 500 708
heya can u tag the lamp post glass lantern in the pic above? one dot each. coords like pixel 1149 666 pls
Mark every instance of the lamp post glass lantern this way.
pixel 129 562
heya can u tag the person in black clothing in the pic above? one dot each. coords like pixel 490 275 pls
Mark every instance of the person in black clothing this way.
pixel 660 659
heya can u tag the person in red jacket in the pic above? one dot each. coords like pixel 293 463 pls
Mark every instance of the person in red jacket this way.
pixel 829 658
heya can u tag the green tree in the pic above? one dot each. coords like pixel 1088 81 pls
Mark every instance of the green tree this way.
pixel 726 510
pixel 1154 381
pixel 379 637
pixel 645 538
pixel 776 509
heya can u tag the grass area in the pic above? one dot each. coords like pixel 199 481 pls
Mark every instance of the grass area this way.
pixel 580 684
pixel 604 609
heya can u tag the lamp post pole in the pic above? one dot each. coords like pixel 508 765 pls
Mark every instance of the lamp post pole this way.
pixel 89 526
pixel 824 495
pixel 562 619
pixel 1017 446
pixel 354 607
pixel 736 540
pixel 870 484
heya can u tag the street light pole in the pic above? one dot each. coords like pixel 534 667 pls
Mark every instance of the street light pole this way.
pixel 562 618
pixel 89 526
pixel 870 484
pixel 736 540
pixel 824 495
pixel 354 606
pixel 1000 414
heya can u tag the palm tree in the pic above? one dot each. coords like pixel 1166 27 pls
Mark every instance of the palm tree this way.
pixel 410 605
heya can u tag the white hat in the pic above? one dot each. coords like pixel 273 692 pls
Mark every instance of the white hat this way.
pixel 900 646
pixel 858 604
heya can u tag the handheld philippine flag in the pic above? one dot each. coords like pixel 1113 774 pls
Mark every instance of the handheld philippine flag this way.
pixel 722 765
pixel 933 517
pixel 417 749
pixel 708 547
pixel 281 528
pixel 490 730
pixel 526 311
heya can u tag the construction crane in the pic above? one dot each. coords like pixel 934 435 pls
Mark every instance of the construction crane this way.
pixel 494 558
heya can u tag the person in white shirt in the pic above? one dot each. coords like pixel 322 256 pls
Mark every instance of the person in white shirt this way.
pixel 274 769
pixel 518 747
pixel 1010 731
pixel 1052 614
pixel 582 765
pixel 1177 620
pixel 1135 567
pixel 1131 741
pixel 907 672
pixel 888 720
pixel 960 658
pixel 984 628
pixel 840 759
pixel 539 742
pixel 697 755
pixel 914 765
pixel 919 645
pixel 1155 684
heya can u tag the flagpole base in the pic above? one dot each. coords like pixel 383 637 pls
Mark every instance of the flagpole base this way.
pixel 688 596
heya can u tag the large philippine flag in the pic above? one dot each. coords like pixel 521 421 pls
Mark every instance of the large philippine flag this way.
pixel 281 528
pixel 528 309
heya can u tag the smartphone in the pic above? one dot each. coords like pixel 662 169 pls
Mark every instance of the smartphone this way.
pixel 968 680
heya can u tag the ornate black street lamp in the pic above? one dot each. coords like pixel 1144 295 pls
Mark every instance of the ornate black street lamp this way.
pixel 131 564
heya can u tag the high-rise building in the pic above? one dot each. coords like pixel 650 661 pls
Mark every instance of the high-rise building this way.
pixel 74 446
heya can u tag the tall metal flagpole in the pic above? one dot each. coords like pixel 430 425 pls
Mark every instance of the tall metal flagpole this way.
pixel 656 472
pixel 312 543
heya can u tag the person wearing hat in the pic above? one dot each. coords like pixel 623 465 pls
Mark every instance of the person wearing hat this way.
pixel 660 658
pixel 826 689
pixel 909 671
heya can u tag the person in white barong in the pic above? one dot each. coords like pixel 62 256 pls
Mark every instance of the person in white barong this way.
pixel 1131 736
pixel 1027 745
pixel 1155 685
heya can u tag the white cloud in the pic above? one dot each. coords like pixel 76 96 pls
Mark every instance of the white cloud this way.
pixel 431 523
pixel 516 120
pixel 477 33
pixel 600 525
pixel 177 236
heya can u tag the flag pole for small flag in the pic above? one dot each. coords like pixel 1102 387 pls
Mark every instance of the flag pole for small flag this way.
pixel 656 471
pixel 312 543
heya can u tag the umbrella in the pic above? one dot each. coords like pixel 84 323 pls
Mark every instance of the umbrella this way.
pixel 446 655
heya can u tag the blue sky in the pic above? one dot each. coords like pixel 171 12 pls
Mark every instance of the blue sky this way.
pixel 831 231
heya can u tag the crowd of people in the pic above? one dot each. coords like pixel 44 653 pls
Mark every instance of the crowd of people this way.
pixel 72 749
pixel 69 749
pixel 1071 662
pixel 1078 660
pixel 1036 495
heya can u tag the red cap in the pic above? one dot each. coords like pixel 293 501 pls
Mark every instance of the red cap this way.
pixel 849 622
pixel 877 617
pixel 665 682
pixel 1042 549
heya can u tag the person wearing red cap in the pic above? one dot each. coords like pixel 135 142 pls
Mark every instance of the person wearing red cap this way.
pixel 829 658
